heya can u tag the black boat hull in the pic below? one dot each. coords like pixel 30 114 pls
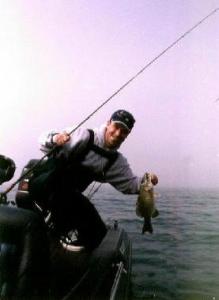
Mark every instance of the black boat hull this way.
pixel 45 266
pixel 34 263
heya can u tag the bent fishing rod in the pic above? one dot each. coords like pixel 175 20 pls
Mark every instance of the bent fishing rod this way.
pixel 3 195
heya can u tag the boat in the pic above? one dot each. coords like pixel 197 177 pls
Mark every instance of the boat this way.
pixel 35 263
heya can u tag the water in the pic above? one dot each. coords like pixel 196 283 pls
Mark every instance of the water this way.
pixel 181 259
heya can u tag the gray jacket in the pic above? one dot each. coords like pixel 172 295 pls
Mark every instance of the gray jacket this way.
pixel 119 175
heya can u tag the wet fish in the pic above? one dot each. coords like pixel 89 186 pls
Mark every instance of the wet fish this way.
pixel 145 206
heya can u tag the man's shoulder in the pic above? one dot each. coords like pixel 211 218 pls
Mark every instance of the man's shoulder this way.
pixel 99 135
pixel 79 138
pixel 121 159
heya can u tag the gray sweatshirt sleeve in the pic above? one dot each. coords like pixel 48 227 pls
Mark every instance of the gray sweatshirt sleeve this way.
pixel 76 143
pixel 46 141
pixel 122 178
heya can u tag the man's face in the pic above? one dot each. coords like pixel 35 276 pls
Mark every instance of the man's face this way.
pixel 115 134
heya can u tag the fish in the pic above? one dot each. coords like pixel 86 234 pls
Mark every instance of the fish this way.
pixel 145 205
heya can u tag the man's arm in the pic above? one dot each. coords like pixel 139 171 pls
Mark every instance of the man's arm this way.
pixel 121 177
pixel 46 141
pixel 75 142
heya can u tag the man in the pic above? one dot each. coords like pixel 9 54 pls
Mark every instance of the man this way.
pixel 91 156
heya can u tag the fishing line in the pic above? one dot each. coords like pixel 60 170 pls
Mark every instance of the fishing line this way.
pixel 3 195
pixel 145 67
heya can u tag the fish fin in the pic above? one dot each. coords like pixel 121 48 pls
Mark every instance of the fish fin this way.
pixel 147 227
pixel 155 213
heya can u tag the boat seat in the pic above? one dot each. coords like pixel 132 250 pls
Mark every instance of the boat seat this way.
pixel 24 254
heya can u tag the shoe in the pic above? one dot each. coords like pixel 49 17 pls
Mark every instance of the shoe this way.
pixel 74 246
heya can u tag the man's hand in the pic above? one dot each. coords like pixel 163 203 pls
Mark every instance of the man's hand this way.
pixel 61 138
pixel 154 179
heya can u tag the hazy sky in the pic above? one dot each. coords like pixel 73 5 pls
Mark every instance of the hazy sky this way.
pixel 59 60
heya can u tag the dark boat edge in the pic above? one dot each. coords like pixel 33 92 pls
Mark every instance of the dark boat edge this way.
pixel 106 271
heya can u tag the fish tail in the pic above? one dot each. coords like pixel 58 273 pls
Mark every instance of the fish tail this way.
pixel 147 227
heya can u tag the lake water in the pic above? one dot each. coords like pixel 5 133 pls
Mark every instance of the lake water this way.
pixel 180 260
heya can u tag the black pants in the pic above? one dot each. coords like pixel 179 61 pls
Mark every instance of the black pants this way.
pixel 51 187
pixel 72 210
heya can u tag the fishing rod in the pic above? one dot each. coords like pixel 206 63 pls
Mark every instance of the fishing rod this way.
pixel 3 195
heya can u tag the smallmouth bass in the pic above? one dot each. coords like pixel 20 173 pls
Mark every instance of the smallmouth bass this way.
pixel 145 205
